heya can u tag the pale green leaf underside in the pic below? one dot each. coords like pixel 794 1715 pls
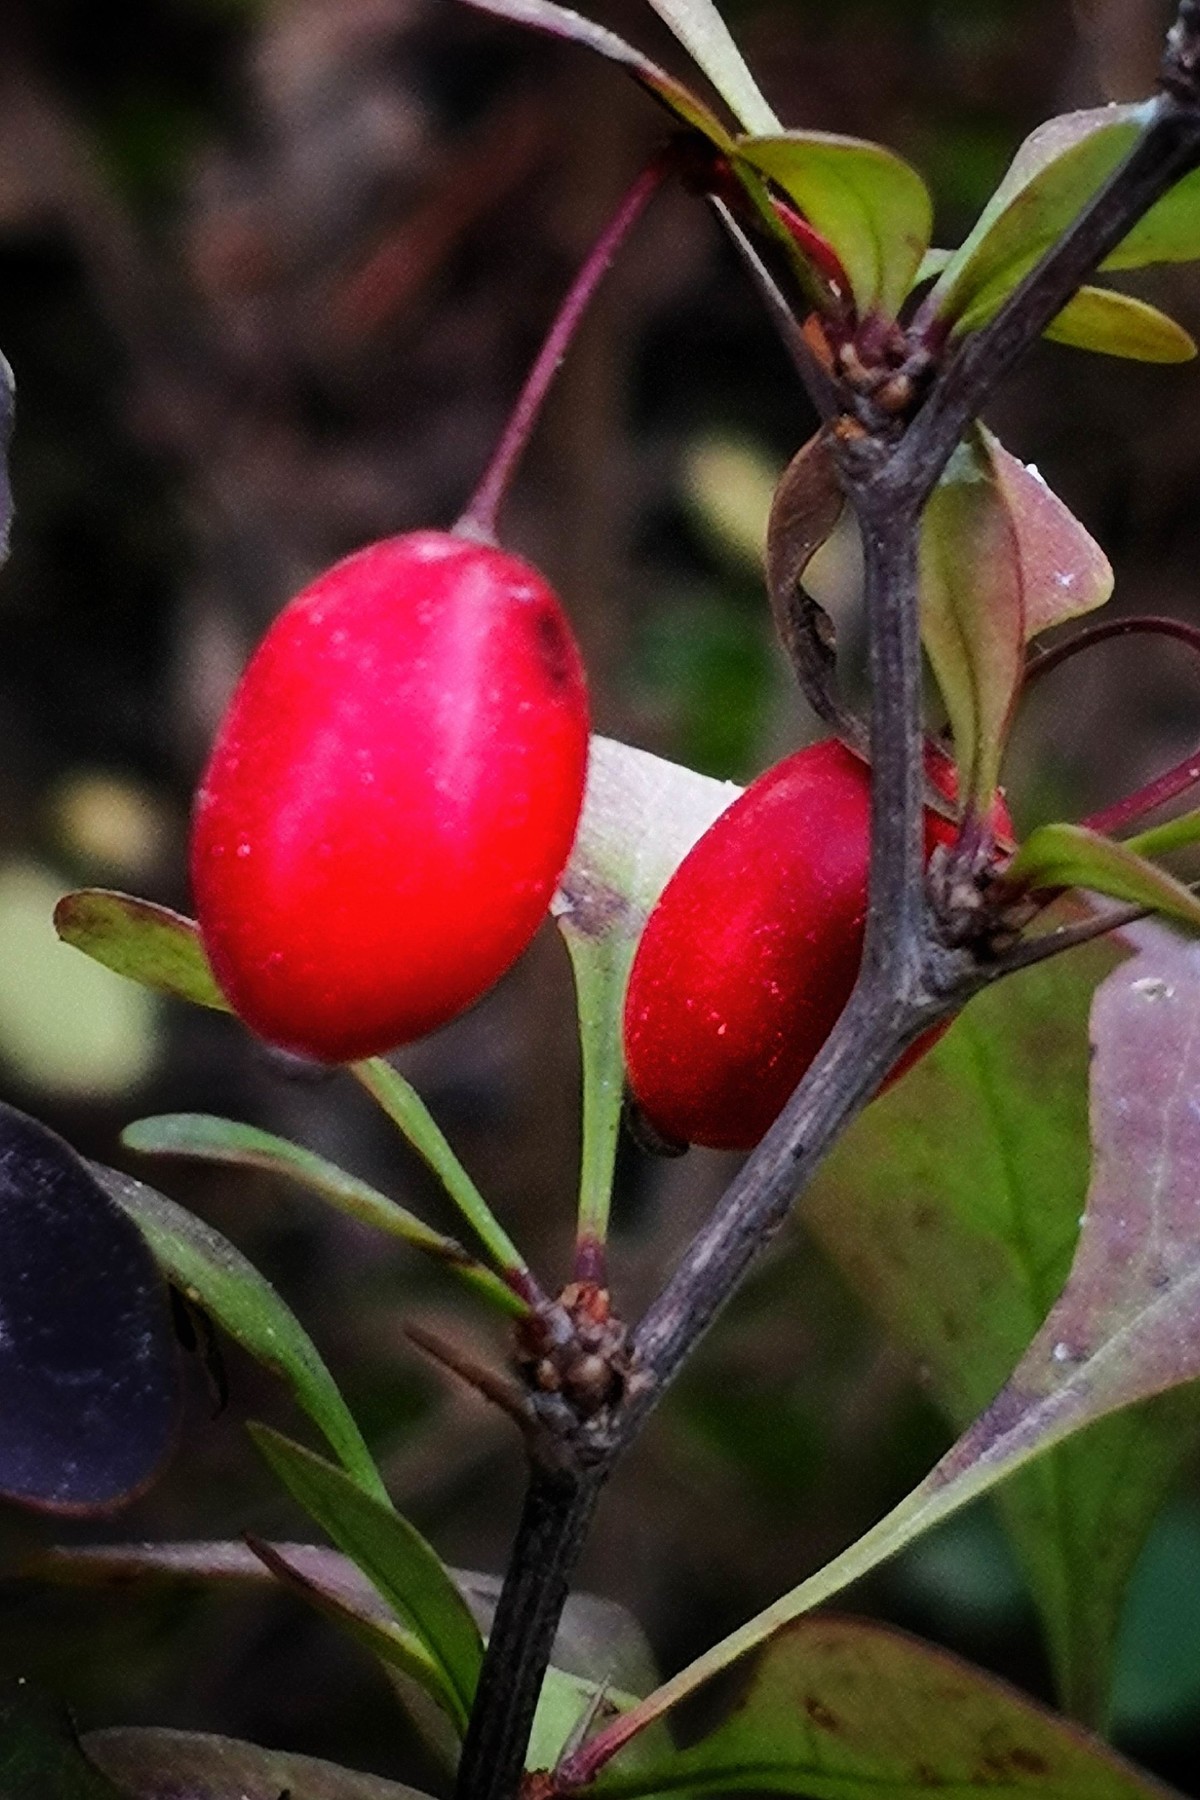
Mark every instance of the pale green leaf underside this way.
pixel 1119 325
pixel 704 34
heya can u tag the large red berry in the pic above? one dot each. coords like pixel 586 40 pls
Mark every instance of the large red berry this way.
pixel 751 953
pixel 392 796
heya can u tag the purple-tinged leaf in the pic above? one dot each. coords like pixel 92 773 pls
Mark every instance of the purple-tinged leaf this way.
pixel 1064 572
pixel 839 1707
pixel 560 22
pixel 1126 1327
pixel 973 611
pixel 952 1207
pixel 1061 856
pixel 872 207
pixel 40 1756
pixel 399 1650
pixel 215 1276
pixel 704 34
pixel 1117 324
pixel 190 1765
pixel 89 1379
pixel 208 1139
pixel 135 938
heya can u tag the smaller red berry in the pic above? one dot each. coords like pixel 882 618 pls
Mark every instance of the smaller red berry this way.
pixel 750 955
pixel 392 796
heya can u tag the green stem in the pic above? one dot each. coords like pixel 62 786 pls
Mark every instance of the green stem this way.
pixel 601 966
pixel 405 1107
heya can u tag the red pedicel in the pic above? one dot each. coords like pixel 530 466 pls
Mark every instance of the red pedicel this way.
pixel 392 796
pixel 750 955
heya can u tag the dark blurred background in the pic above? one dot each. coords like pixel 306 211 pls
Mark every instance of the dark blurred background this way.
pixel 270 275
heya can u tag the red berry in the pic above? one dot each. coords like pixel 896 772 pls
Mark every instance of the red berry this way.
pixel 391 797
pixel 750 955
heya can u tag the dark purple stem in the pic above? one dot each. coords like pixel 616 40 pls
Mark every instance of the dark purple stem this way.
pixel 479 519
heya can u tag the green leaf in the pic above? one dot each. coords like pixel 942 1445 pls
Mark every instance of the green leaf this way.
pixel 838 1708
pixel 1169 232
pixel 208 1139
pixel 560 22
pixel 40 1755
pixel 1060 856
pixel 150 1765
pixel 1126 1327
pixel 874 209
pixel 641 816
pixel 1118 325
pixel 406 1109
pixel 147 943
pixel 953 1208
pixel 1160 840
pixel 973 611
pixel 704 34
pixel 207 1268
pixel 1051 179
pixel 391 1553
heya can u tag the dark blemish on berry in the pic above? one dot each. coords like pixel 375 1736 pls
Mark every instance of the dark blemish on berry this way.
pixel 553 648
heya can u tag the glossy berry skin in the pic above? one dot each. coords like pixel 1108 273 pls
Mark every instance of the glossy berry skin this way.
pixel 391 797
pixel 750 955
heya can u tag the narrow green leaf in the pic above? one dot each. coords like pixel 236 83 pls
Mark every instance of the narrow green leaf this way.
pixel 406 1109
pixel 1072 856
pixel 1176 834
pixel 558 21
pixel 218 1278
pixel 641 816
pixel 391 1553
pixel 1118 325
pixel 704 34
pixel 873 207
pixel 953 1208
pixel 1126 1327
pixel 150 1765
pixel 40 1755
pixel 207 1139
pixel 135 938
pixel 838 1708
pixel 973 611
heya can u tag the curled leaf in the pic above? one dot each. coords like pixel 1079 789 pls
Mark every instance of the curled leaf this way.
pixel 807 506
